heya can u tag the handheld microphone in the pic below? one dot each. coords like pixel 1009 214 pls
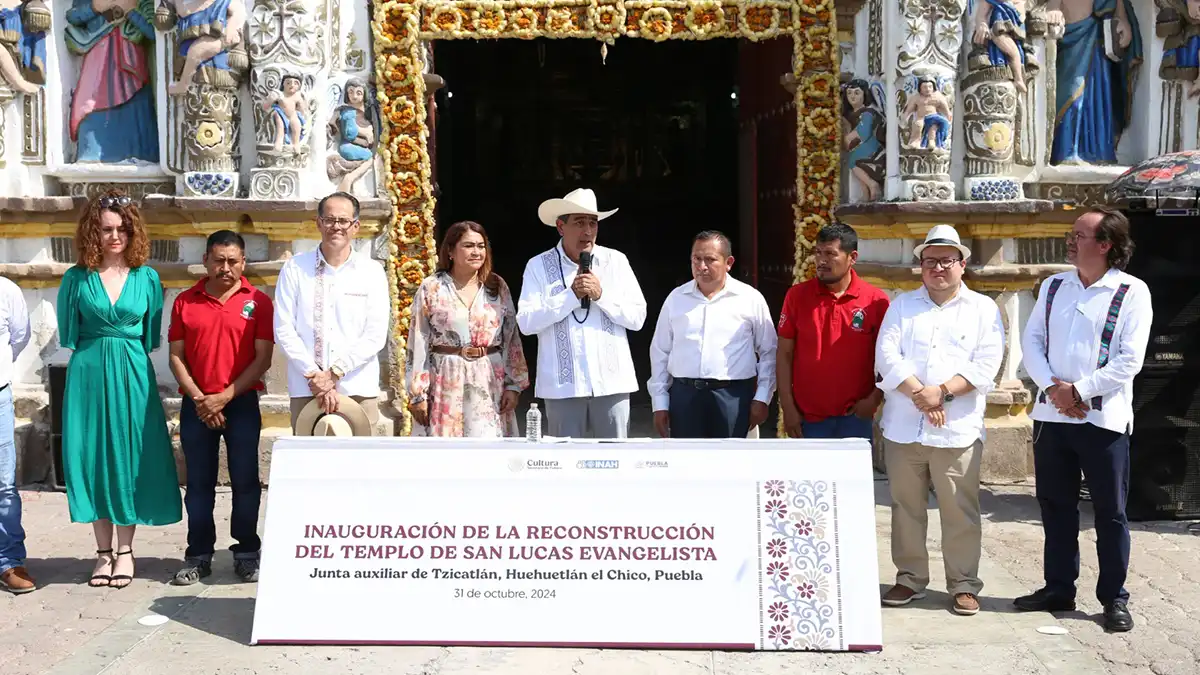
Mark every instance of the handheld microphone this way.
pixel 585 266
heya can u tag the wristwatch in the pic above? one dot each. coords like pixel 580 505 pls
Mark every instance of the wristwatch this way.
pixel 337 371
pixel 946 395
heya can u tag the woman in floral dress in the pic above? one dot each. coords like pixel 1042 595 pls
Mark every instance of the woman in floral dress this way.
pixel 465 365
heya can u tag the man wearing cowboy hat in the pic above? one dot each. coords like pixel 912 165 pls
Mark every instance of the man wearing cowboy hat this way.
pixel 937 356
pixel 579 299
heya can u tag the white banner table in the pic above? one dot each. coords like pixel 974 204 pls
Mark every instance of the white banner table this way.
pixel 738 544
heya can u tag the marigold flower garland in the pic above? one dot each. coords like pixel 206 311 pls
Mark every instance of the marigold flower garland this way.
pixel 401 26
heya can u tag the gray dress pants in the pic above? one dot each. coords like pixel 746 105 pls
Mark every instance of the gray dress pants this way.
pixel 588 417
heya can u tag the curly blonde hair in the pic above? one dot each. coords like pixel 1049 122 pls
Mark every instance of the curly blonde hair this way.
pixel 87 235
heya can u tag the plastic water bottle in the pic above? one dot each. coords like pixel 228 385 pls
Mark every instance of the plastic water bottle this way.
pixel 533 424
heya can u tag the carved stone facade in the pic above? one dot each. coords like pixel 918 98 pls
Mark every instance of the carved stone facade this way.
pixel 926 89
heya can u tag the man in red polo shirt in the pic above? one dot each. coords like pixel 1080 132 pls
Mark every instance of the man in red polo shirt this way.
pixel 825 366
pixel 221 339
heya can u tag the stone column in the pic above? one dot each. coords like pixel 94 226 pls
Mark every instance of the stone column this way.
pixel 207 79
pixel 1001 69
pixel 287 58
pixel 929 36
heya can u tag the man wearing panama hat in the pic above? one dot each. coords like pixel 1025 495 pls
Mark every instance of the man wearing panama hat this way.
pixel 579 299
pixel 937 356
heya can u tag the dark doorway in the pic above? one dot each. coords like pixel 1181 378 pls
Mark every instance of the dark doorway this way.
pixel 653 131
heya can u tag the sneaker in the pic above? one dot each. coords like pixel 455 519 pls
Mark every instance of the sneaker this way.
pixel 246 569
pixel 901 595
pixel 193 570
pixel 966 604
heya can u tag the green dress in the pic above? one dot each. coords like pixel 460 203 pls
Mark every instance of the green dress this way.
pixel 117 456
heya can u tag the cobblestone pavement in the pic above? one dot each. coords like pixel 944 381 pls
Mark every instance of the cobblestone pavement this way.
pixel 66 628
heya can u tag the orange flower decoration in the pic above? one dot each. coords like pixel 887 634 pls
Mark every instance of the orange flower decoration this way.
pixel 402 113
pixel 759 18
pixel 408 188
pixel 407 152
pixel 447 19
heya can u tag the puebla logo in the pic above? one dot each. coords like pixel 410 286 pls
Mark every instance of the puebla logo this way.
pixel 248 309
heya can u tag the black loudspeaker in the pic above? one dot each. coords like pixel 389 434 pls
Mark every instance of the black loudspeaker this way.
pixel 58 386
pixel 1165 446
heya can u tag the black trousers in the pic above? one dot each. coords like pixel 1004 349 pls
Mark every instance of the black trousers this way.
pixel 1060 452
pixel 699 411
pixel 243 424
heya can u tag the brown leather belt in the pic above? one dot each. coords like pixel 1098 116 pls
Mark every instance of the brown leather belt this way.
pixel 468 353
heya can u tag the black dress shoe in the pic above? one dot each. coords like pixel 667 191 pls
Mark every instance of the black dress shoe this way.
pixel 1117 618
pixel 1043 601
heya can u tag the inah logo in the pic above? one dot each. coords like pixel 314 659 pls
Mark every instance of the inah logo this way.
pixel 597 464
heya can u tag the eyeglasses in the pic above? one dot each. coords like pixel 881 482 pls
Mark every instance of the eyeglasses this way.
pixel 933 263
pixel 113 202
pixel 1073 237
pixel 340 223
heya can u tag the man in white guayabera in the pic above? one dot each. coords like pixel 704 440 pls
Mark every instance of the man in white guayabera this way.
pixel 579 298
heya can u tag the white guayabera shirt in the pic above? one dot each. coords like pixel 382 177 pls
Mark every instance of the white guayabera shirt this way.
pixel 332 316
pixel 963 337
pixel 581 352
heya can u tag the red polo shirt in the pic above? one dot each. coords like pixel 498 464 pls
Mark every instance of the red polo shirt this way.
pixel 218 340
pixel 834 364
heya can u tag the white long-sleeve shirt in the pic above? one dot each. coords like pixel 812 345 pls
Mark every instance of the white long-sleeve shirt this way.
pixel 965 336
pixel 14 328
pixel 730 336
pixel 580 352
pixel 1077 319
pixel 354 317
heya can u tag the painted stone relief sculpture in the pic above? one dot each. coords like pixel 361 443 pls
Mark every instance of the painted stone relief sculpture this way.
pixel 864 135
pixel 112 116
pixel 290 113
pixel 23 29
pixel 1178 23
pixel 1000 25
pixel 210 42
pixel 926 116
pixel 1099 57
pixel 354 132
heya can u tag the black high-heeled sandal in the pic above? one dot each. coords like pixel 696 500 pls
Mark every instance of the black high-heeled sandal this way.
pixel 106 578
pixel 123 577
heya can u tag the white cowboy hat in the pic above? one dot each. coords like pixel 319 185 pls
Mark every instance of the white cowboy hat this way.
pixel 943 235
pixel 582 200
pixel 349 420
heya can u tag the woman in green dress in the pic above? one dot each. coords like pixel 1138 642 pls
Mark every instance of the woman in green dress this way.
pixel 117 456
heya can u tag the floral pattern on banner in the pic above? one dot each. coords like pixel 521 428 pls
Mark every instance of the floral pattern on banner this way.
pixel 401 29
pixel 800 603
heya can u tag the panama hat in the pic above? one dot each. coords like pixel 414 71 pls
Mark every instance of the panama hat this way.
pixel 943 235
pixel 582 200
pixel 349 420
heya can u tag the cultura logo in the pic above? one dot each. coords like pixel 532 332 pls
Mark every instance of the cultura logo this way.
pixel 516 464
pixel 542 464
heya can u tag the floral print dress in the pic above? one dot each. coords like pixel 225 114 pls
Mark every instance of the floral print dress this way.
pixel 463 395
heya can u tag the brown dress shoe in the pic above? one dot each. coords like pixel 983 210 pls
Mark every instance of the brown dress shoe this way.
pixel 966 604
pixel 901 595
pixel 17 581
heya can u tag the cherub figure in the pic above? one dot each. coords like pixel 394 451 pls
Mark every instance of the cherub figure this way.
pixel 290 112
pixel 928 114
pixel 23 44
pixel 207 30
pixel 1002 22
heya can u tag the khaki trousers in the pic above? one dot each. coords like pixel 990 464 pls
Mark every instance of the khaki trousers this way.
pixel 370 405
pixel 954 473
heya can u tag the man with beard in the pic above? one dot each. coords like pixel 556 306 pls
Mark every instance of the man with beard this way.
pixel 712 359
pixel 221 339
pixel 579 298
pixel 1085 341
pixel 938 353
pixel 826 362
